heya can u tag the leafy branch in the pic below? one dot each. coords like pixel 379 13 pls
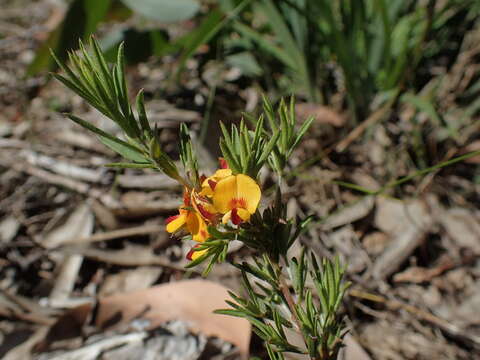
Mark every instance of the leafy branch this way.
pixel 213 218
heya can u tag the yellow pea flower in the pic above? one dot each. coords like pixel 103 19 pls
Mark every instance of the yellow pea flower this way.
pixel 237 197
pixel 190 219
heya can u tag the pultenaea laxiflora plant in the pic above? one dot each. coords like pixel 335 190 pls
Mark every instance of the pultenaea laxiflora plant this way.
pixel 227 206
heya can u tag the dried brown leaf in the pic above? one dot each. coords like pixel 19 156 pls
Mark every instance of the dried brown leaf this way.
pixel 322 114
pixel 189 301
pixel 192 301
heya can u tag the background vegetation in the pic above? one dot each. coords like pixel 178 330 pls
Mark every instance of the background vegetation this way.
pixel 393 87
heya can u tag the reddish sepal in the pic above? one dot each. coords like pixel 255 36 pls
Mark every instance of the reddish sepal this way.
pixel 223 163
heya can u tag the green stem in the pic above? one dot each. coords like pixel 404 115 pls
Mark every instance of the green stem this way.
pixel 285 290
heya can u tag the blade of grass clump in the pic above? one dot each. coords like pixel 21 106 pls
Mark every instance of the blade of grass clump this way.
pixel 206 31
pixel 280 28
pixel 268 45
pixel 81 19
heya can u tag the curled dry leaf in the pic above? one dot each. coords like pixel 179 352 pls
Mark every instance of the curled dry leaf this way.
pixel 191 301
pixel 322 114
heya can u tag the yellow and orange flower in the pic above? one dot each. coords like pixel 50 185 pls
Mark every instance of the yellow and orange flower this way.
pixel 237 197
pixel 190 219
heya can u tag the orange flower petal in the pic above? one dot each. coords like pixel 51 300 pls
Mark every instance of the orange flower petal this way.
pixel 197 227
pixel 225 191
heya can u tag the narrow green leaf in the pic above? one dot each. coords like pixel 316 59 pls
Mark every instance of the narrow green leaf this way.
pixel 130 165
pixel 209 27
pixel 126 151
pixel 236 313
pixel 123 148
pixel 226 136
pixel 269 147
pixel 142 114
pixel 75 88
pixel 231 160
pixel 301 132
pixel 102 65
pixel 265 44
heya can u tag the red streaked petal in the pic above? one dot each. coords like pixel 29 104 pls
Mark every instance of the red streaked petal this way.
pixel 236 219
pixel 189 255
pixel 204 212
pixel 171 218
